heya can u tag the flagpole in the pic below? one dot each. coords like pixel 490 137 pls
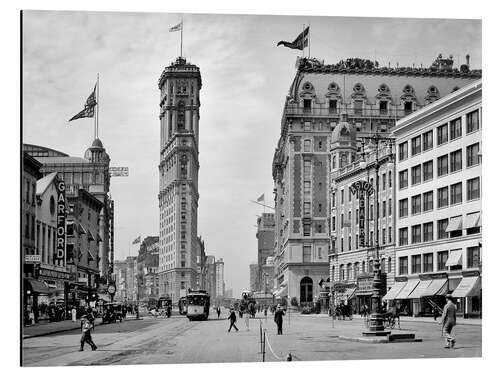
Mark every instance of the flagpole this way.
pixel 97 110
pixel 182 31
pixel 302 39
pixel 309 38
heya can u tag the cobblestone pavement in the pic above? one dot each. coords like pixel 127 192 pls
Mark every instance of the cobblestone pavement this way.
pixel 177 340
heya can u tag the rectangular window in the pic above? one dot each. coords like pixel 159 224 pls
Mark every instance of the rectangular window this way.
pixel 332 106
pixel 403 179
pixel 403 236
pixel 416 145
pixel 307 145
pixel 389 207
pixel 341 196
pixel 427 140
pixel 390 234
pixel 473 155
pixel 408 106
pixel 455 129
pixel 403 265
pixel 429 262
pixel 456 161
pixel 416 234
pixel 307 168
pixel 473 189
pixel 307 105
pixel 442 164
pixel 472 121
pixel 442 197
pixel 383 236
pixel 428 231
pixel 456 193
pixel 358 107
pixel 384 208
pixel 441 226
pixel 306 258
pixel 416 263
pixel 428 201
pixel 403 207
pixel 382 106
pixel 473 257
pixel 403 151
pixel 442 258
pixel 307 190
pixel 416 174
pixel 307 229
pixel 416 204
pixel 428 170
pixel 442 134
pixel 384 181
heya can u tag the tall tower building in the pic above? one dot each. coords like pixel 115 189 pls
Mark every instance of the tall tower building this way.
pixel 180 85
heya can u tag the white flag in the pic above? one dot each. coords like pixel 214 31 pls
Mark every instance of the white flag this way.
pixel 176 27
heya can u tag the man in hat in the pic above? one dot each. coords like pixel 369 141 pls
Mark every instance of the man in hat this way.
pixel 278 319
pixel 232 320
pixel 449 320
pixel 87 324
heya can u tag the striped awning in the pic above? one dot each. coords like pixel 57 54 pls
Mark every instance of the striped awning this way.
pixel 90 235
pixel 455 259
pixel 407 289
pixel 473 220
pixel 454 224
pixel 393 292
pixel 468 287
pixel 438 287
pixel 418 292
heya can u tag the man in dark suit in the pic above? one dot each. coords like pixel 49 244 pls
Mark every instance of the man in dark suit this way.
pixel 232 320
pixel 449 320
pixel 278 319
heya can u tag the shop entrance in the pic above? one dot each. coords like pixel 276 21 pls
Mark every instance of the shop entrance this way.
pixel 306 290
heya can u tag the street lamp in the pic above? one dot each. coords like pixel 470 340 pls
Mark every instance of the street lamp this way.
pixel 376 326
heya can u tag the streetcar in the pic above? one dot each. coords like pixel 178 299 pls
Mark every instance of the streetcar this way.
pixel 165 304
pixel 198 305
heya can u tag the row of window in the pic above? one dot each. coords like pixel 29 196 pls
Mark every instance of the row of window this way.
pixel 423 263
pixel 385 237
pixel 384 212
pixel 351 271
pixel 448 163
pixel 444 133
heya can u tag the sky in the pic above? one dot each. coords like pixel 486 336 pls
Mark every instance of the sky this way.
pixel 245 78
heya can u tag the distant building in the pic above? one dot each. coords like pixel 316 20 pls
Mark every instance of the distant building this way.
pixel 219 278
pixel 254 276
pixel 120 277
pixel 147 268
pixel 211 283
pixel 228 293
pixel 131 278
pixel 265 244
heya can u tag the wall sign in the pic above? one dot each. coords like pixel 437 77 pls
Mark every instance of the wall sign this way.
pixel 61 223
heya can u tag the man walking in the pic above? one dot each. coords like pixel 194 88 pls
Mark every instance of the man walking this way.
pixel 232 320
pixel 278 319
pixel 87 322
pixel 449 320
pixel 218 312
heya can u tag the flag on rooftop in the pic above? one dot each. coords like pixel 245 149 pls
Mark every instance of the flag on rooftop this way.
pixel 176 27
pixel 300 42
pixel 261 198
pixel 137 240
pixel 89 108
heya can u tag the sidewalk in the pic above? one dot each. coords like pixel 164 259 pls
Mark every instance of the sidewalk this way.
pixel 460 321
pixel 43 329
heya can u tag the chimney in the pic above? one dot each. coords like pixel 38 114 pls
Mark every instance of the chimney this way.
pixel 467 59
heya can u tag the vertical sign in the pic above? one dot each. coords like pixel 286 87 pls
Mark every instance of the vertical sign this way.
pixel 61 223
pixel 361 218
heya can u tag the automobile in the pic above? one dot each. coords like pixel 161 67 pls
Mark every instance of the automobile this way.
pixel 112 312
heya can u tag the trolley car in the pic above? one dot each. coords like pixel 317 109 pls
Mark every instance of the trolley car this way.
pixel 198 305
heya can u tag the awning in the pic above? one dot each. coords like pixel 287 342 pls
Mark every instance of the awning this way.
pixel 37 286
pixel 468 287
pixel 455 259
pixel 407 289
pixel 99 239
pixel 473 220
pixel 283 291
pixel 104 297
pixel 438 287
pixel 81 229
pixel 454 224
pixel 393 292
pixel 418 292
pixel 90 235
pixel 349 292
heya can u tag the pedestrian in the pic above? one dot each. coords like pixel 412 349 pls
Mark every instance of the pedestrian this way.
pixel 435 312
pixel 218 312
pixel 232 320
pixel 73 314
pixel 247 320
pixel 448 321
pixel 278 319
pixel 87 322
pixel 265 311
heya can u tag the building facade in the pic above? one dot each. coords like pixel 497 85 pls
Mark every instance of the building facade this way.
pixel 265 244
pixel 219 279
pixel 369 97
pixel 179 85
pixel 438 228
pixel 90 173
pixel 120 277
pixel 254 276
pixel 211 282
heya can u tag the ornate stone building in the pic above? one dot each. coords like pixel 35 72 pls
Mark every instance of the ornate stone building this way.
pixel 180 84
pixel 369 98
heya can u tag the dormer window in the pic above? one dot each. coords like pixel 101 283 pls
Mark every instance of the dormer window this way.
pixel 307 105
pixel 408 108
pixel 332 106
pixel 382 106
pixel 358 107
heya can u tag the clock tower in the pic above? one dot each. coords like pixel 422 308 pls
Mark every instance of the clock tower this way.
pixel 180 85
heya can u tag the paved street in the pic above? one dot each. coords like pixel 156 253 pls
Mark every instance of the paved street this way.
pixel 177 340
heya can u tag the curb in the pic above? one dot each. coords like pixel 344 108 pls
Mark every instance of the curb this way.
pixel 54 332
pixel 365 340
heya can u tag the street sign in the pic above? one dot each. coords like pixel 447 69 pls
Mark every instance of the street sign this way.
pixel 118 171
pixel 32 258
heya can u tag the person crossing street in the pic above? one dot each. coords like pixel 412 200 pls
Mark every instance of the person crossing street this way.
pixel 87 323
pixel 278 319
pixel 232 320
pixel 449 320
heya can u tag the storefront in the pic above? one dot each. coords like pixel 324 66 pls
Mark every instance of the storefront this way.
pixel 34 290
pixel 469 295
pixel 402 298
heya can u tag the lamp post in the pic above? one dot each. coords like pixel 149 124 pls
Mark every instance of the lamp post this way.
pixel 376 326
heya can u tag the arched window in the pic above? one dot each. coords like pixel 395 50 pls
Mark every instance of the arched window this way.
pixel 306 290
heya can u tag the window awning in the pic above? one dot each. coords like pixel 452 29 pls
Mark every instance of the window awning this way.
pixel 454 224
pixel 407 289
pixel 473 220
pixel 104 297
pixel 468 287
pixel 81 229
pixel 90 235
pixel 438 287
pixel 455 259
pixel 349 292
pixel 281 292
pixel 37 286
pixel 393 292
pixel 418 292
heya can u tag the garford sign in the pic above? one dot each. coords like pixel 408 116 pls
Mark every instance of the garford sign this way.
pixel 61 223
pixel 360 188
pixel 32 258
